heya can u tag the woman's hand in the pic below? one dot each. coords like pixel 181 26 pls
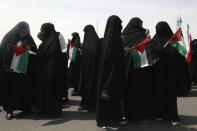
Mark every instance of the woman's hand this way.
pixel 127 50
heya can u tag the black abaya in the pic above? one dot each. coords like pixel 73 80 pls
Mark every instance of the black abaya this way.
pixel 17 89
pixel 90 62
pixel 164 74
pixel 135 98
pixel 50 72
pixel 110 76
pixel 193 63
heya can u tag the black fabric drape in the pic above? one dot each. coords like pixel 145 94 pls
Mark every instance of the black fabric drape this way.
pixel 89 69
pixel 193 63
pixel 165 83
pixel 133 33
pixel 11 38
pixel 50 73
pixel 110 76
pixel 135 97
pixel 16 88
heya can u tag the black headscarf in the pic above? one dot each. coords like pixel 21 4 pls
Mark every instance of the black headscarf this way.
pixel 50 45
pixel 134 33
pixel 90 39
pixel 76 40
pixel 11 38
pixel 111 60
pixel 156 46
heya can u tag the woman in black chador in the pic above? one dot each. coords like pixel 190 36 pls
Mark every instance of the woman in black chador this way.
pixel 110 76
pixel 167 79
pixel 75 66
pixel 135 99
pixel 50 73
pixel 90 62
pixel 193 63
pixel 16 87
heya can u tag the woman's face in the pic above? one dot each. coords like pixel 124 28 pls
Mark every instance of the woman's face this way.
pixel 20 44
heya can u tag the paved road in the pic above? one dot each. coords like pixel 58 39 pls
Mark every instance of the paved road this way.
pixel 73 120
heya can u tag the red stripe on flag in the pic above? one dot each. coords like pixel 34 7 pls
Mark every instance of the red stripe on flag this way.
pixel 141 47
pixel 176 36
pixel 72 44
pixel 18 50
pixel 188 59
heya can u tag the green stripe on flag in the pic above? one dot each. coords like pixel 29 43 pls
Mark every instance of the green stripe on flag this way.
pixel 136 59
pixel 74 53
pixel 23 62
pixel 179 47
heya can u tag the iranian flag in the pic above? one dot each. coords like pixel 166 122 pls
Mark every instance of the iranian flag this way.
pixel 72 51
pixel 177 41
pixel 20 60
pixel 138 54
pixel 188 47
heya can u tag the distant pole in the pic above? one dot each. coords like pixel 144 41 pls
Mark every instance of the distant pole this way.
pixel 179 22
pixel 97 27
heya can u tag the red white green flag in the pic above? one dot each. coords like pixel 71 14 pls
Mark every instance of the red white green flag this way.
pixel 177 41
pixel 138 54
pixel 188 47
pixel 72 51
pixel 20 60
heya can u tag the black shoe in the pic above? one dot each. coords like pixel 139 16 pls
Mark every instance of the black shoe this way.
pixel 9 116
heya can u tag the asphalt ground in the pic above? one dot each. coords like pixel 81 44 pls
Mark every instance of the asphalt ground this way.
pixel 74 120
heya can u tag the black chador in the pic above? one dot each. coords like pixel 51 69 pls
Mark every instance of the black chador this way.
pixel 135 99
pixel 75 65
pixel 193 63
pixel 50 72
pixel 110 76
pixel 89 68
pixel 165 74
pixel 17 87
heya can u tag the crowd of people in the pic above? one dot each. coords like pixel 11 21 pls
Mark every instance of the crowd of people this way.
pixel 100 70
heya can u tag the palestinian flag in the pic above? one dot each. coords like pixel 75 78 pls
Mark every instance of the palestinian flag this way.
pixel 72 51
pixel 20 59
pixel 188 47
pixel 138 54
pixel 177 41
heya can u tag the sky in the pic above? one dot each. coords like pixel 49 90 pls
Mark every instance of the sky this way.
pixel 73 15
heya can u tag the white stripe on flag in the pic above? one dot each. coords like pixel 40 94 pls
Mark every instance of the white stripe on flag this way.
pixel 15 61
pixel 144 61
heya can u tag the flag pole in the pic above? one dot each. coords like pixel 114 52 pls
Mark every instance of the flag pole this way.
pixel 97 26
